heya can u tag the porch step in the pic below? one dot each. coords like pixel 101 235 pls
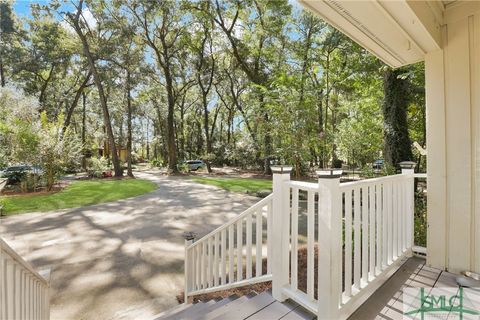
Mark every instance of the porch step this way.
pixel 251 306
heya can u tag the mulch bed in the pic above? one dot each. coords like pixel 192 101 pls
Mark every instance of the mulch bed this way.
pixel 40 190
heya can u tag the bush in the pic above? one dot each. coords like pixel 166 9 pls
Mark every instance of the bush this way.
pixel 156 162
pixel 96 167
pixel 183 167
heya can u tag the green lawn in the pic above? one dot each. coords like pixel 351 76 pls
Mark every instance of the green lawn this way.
pixel 78 194
pixel 243 185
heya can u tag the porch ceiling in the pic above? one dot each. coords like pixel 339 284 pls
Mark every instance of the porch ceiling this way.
pixel 397 32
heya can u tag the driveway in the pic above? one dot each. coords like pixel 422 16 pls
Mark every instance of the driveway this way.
pixel 123 259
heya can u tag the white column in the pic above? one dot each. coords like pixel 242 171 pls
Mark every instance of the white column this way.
pixel 436 160
pixel 280 231
pixel 330 246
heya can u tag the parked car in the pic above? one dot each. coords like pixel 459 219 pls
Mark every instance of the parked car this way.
pixel 14 174
pixel 194 165
pixel 378 164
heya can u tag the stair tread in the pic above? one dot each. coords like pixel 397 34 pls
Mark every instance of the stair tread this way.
pixel 220 303
pixel 247 308
pixel 299 313
pixel 191 313
pixel 193 308
pixel 216 312
pixel 172 311
pixel 275 310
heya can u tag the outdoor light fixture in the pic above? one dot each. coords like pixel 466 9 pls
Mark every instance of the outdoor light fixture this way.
pixel 281 169
pixel 407 164
pixel 188 235
pixel 329 173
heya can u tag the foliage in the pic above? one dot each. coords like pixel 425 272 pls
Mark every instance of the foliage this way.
pixel 97 166
pixel 233 83
pixel 79 193
pixel 58 149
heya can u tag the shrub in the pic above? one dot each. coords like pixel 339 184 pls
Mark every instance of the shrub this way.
pixel 59 149
pixel 96 167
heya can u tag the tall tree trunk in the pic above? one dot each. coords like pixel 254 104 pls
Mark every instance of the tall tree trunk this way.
pixel 129 127
pixel 84 129
pixel 397 140
pixel 206 128
pixel 101 93
pixel 70 110
pixel 2 73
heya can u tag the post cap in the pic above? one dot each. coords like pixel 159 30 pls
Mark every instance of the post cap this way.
pixel 329 173
pixel 189 235
pixel 407 164
pixel 281 169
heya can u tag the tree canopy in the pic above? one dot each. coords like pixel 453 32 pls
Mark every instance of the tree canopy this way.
pixel 244 82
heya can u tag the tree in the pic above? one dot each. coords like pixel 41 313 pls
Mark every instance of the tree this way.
pixel 79 24
pixel 164 31
pixel 58 149
pixel 205 67
pixel 258 50
pixel 397 140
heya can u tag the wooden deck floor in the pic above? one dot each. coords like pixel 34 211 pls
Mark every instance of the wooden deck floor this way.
pixel 386 302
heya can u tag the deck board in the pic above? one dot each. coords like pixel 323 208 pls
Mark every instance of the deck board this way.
pixel 387 302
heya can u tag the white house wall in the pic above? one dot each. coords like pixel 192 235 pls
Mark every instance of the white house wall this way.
pixel 453 143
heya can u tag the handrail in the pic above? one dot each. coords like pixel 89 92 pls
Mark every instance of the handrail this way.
pixel 346 185
pixel 257 205
pixel 26 291
pixel 232 255
pixel 15 256
pixel 420 175
pixel 303 185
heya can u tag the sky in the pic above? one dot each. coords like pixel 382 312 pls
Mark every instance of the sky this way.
pixel 22 7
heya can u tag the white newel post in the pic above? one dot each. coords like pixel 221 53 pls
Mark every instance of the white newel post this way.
pixel 280 231
pixel 189 238
pixel 408 170
pixel 330 243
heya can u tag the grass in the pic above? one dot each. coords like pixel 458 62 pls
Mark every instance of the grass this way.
pixel 77 194
pixel 243 185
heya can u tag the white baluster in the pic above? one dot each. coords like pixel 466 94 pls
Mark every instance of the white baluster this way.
pixel 378 247
pixel 224 253
pixel 239 250
pixel 204 265
pixel 294 244
pixel 348 242
pixel 356 243
pixel 365 234
pixel 258 242
pixel 310 244
pixel 249 247
pixel 216 260
pixel 231 255
pixel 371 228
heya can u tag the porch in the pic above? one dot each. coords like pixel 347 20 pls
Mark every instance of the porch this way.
pixel 354 236
pixel 385 303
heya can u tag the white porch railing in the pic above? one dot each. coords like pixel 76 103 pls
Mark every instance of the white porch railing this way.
pixel 24 293
pixel 232 255
pixel 362 230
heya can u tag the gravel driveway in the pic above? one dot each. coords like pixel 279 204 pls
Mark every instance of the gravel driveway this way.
pixel 123 259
